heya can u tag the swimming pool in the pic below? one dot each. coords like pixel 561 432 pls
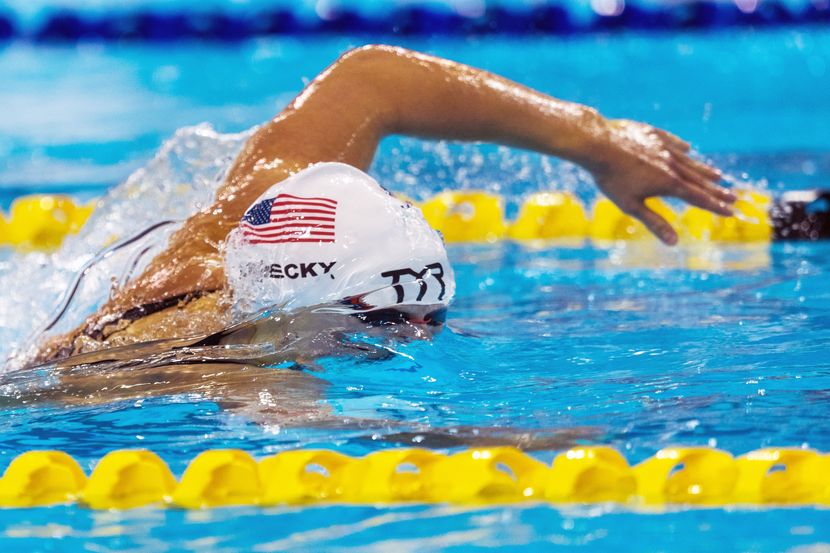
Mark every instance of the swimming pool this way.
pixel 628 343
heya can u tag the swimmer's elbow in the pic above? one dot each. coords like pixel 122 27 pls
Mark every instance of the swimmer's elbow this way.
pixel 372 55
pixel 368 85
pixel 367 81
pixel 374 67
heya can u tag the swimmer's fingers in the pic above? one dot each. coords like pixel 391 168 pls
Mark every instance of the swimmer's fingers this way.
pixel 696 178
pixel 703 169
pixel 658 226
pixel 673 141
pixel 722 194
pixel 696 196
pixel 699 172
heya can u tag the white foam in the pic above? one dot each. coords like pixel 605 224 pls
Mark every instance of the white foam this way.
pixel 181 179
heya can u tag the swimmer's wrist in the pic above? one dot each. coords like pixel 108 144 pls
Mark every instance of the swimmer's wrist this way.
pixel 584 139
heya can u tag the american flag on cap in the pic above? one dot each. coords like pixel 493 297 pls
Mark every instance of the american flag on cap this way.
pixel 288 218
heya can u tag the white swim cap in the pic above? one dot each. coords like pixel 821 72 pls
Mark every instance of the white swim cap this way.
pixel 332 234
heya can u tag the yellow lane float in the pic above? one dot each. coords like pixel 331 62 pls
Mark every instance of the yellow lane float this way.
pixel 38 478
pixel 782 476
pixel 697 224
pixel 302 476
pixel 4 230
pixel 218 478
pixel 590 475
pixel 550 215
pixel 128 478
pixel 392 476
pixel 608 222
pixel 498 474
pixel 468 216
pixel 42 222
pixel 687 476
pixel 751 222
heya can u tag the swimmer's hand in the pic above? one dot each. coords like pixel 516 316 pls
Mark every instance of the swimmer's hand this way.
pixel 634 161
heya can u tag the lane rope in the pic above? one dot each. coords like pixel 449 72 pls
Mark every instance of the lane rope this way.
pixel 42 222
pixel 226 24
pixel 675 476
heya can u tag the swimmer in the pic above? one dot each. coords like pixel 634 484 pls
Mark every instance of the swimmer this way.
pixel 339 118
pixel 301 247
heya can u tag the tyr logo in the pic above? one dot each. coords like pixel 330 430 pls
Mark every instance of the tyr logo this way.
pixel 435 270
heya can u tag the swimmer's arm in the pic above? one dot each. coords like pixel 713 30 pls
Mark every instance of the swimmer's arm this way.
pixel 375 91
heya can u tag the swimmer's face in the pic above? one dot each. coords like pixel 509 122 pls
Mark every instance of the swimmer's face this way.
pixel 401 324
pixel 405 322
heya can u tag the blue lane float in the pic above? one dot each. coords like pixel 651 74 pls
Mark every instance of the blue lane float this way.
pixel 7 28
pixel 547 18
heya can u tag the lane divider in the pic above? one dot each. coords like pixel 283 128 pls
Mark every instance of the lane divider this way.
pixel 220 22
pixel 476 216
pixel 674 476
pixel 42 222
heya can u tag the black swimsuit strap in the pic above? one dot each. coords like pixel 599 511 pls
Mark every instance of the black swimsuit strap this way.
pixel 97 332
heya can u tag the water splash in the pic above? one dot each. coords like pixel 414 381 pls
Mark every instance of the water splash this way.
pixel 420 169
pixel 181 179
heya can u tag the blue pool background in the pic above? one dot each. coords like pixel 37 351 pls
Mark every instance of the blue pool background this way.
pixel 632 343
pixel 84 116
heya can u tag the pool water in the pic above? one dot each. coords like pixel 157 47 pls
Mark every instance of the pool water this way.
pixel 632 345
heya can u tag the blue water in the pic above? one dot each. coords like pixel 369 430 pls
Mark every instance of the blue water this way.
pixel 634 346
pixel 86 116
